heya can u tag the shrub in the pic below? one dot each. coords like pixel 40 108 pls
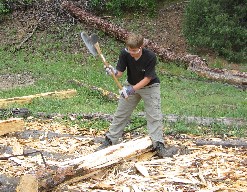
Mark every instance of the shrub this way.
pixel 10 5
pixel 217 25
pixel 3 7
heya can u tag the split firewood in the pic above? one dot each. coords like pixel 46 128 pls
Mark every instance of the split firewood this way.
pixel 193 62
pixel 11 125
pixel 91 163
pixel 27 99
pixel 223 143
pixel 103 92
pixel 88 165
pixel 142 169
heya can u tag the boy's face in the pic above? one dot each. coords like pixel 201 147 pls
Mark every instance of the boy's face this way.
pixel 134 52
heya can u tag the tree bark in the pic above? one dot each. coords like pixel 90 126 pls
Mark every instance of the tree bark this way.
pixel 86 166
pixel 223 143
pixel 193 62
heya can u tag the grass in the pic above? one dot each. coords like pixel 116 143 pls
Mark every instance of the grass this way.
pixel 57 57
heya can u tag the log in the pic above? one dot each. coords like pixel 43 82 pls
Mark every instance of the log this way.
pixel 223 143
pixel 88 165
pixel 193 62
pixel 204 120
pixel 11 125
pixel 27 99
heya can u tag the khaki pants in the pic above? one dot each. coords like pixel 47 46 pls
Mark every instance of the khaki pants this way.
pixel 154 117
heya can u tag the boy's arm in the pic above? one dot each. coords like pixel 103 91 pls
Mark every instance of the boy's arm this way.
pixel 142 83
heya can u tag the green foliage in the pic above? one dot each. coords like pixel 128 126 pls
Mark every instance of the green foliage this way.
pixel 54 58
pixel 3 7
pixel 8 5
pixel 119 6
pixel 217 25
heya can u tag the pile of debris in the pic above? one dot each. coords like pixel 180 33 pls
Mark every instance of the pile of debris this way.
pixel 52 156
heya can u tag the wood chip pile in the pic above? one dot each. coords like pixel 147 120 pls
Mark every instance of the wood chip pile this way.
pixel 206 168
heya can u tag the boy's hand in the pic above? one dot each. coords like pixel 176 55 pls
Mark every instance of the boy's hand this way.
pixel 127 91
pixel 110 70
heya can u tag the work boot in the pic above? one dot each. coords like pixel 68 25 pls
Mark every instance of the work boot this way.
pixel 106 143
pixel 163 151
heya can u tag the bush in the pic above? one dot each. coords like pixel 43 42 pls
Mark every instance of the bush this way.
pixel 11 5
pixel 219 25
pixel 119 6
pixel 3 7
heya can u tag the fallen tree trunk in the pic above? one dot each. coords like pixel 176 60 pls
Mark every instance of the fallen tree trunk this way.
pixel 172 118
pixel 193 62
pixel 223 143
pixel 86 166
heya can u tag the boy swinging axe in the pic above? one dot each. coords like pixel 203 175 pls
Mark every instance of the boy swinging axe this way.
pixel 143 83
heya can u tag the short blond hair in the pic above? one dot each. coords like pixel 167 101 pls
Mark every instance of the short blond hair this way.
pixel 134 41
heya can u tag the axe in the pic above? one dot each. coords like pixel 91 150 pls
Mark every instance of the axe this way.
pixel 92 44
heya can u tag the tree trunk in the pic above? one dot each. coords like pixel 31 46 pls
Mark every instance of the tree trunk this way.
pixel 86 166
pixel 193 62
pixel 224 143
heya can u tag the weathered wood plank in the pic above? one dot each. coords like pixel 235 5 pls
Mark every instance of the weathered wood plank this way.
pixel 27 99
pixel 11 125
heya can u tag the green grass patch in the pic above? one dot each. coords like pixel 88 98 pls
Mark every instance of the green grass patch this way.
pixel 54 60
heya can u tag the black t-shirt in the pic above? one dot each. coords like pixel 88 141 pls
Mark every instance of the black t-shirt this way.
pixel 138 69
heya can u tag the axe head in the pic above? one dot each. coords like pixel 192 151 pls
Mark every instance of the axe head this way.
pixel 90 41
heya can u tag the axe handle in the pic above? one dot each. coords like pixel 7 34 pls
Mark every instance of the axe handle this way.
pixel 97 47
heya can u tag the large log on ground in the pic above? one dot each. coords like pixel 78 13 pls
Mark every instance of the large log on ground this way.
pixel 11 125
pixel 27 99
pixel 223 143
pixel 193 62
pixel 87 165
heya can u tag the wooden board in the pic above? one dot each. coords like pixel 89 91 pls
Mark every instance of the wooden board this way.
pixel 27 99
pixel 11 125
